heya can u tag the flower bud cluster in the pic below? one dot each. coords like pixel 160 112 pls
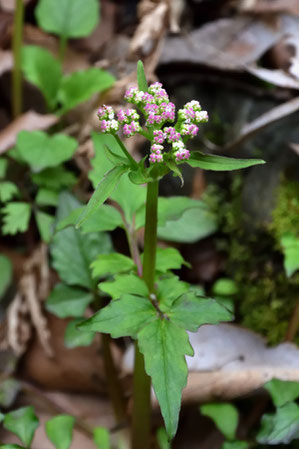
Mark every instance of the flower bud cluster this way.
pixel 108 124
pixel 158 111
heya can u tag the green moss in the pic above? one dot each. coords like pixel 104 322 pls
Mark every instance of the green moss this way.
pixel 266 297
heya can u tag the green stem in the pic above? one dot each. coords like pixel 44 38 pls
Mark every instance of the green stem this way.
pixel 62 48
pixel 125 151
pixel 17 97
pixel 141 419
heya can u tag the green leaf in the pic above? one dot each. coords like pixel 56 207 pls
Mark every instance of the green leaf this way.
pixel 141 78
pixel 172 209
pixel 190 311
pixel 175 169
pixel 101 437
pixel 45 225
pixel 225 287
pixel 290 245
pixel 11 446
pixel 3 167
pixel 40 150
pixel 220 163
pixel 163 439
pixel 5 274
pixel 69 18
pixel 67 301
pixel 164 346
pixel 80 86
pixel 170 289
pixel 113 263
pixel 16 217
pixel 105 218
pixel 282 427
pixel 169 259
pixel 74 337
pixel 59 430
pixel 102 192
pixel 125 283
pixel 23 423
pixel 225 417
pixel 9 390
pixel 7 191
pixel 54 178
pixel 129 196
pixel 46 197
pixel 193 225
pixel 235 445
pixel 282 391
pixel 123 317
pixel 73 252
pixel 43 70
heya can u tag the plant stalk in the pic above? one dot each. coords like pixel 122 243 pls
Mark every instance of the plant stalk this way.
pixel 62 48
pixel 125 151
pixel 17 95
pixel 141 418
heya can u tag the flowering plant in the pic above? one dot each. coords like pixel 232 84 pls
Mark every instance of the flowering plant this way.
pixel 149 303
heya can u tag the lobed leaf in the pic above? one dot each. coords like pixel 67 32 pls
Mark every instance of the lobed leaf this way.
pixel 107 264
pixel 23 423
pixel 16 217
pixel 74 337
pixel 7 191
pixel 65 301
pixel 281 427
pixel 169 259
pixel 282 391
pixel 125 283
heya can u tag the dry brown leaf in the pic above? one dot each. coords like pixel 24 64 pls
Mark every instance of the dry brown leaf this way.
pixel 6 61
pixel 18 326
pixel 295 147
pixel 228 44
pixel 264 120
pixel 28 121
pixel 276 77
pixel 150 29
pixel 270 6
pixel 230 361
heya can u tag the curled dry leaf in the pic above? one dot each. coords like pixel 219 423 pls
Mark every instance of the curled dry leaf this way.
pixel 264 120
pixel 151 28
pixel 28 121
pixel 230 361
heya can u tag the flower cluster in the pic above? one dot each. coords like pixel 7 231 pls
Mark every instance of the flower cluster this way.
pixel 158 112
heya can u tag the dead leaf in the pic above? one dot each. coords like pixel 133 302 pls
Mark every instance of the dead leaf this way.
pixel 150 29
pixel 270 6
pixel 264 120
pixel 229 44
pixel 28 121
pixel 277 77
pixel 6 61
pixel 295 147
pixel 230 362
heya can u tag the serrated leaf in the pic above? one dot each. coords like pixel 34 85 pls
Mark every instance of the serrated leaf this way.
pixel 290 245
pixel 40 150
pixel 9 390
pixel 5 274
pixel 45 225
pixel 175 169
pixel 105 218
pixel 193 225
pixel 74 337
pixel 16 217
pixel 220 163
pixel 282 391
pixel 7 191
pixel 225 417
pixel 59 430
pixel 43 70
pixel 71 18
pixel 170 289
pixel 3 167
pixel 46 197
pixel 73 252
pixel 225 287
pixel 169 259
pixel 107 264
pixel 281 427
pixel 23 423
pixel 190 311
pixel 141 78
pixel 235 445
pixel 65 301
pixel 164 346
pixel 101 437
pixel 123 317
pixel 81 85
pixel 102 192
pixel 125 283
pixel 54 178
